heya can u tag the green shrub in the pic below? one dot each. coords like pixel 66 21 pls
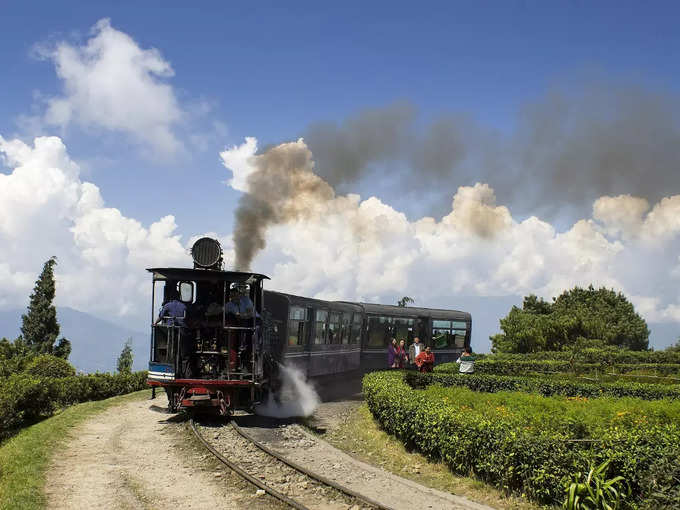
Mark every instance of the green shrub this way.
pixel 527 443
pixel 500 366
pixel 610 356
pixel 545 386
pixel 661 484
pixel 25 398
pixel 47 365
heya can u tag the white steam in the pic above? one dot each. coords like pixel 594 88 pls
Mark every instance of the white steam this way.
pixel 296 398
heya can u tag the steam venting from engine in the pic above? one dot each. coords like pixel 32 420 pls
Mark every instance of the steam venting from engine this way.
pixel 207 254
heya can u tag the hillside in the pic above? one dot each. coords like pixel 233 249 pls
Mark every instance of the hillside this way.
pixel 96 343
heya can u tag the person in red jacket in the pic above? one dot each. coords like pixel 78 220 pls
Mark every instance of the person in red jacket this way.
pixel 425 360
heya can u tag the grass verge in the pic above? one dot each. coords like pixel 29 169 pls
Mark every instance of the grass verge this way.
pixel 24 458
pixel 361 436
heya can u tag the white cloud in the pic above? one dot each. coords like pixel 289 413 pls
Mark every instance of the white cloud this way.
pixel 111 82
pixel 622 215
pixel 240 160
pixel 46 209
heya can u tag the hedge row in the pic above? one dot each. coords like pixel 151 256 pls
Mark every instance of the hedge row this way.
pixel 492 365
pixel 527 443
pixel 545 386
pixel 25 398
pixel 607 356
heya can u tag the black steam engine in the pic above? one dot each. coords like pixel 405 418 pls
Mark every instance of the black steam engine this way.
pixel 219 336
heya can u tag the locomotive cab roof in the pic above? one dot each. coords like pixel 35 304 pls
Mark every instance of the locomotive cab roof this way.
pixel 205 275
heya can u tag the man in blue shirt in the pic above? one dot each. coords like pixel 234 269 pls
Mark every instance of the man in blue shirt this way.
pixel 173 312
pixel 240 304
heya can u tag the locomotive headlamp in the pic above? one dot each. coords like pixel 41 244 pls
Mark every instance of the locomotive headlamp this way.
pixel 207 253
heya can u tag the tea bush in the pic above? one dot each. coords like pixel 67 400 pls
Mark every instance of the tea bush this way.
pixel 590 355
pixel 662 484
pixel 47 365
pixel 25 398
pixel 527 443
pixel 502 366
pixel 545 386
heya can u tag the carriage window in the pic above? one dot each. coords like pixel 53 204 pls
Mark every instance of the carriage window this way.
pixel 296 325
pixel 356 328
pixel 448 334
pixel 379 331
pixel 403 329
pixel 334 333
pixel 344 328
pixel 320 327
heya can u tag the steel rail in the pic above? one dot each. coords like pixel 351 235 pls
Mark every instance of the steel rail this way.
pixel 320 478
pixel 234 467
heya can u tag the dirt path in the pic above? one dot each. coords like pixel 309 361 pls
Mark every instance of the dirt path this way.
pixel 131 456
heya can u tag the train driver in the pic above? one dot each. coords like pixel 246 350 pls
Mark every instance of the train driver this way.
pixel 240 305
pixel 173 311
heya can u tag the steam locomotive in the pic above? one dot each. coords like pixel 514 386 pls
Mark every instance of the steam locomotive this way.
pixel 220 338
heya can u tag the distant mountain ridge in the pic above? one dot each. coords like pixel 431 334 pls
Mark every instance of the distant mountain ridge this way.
pixel 96 342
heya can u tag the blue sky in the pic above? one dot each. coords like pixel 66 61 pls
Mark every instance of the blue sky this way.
pixel 271 70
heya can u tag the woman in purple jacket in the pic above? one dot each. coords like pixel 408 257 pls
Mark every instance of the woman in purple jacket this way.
pixel 392 361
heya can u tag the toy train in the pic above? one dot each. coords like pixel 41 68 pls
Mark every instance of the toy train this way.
pixel 220 337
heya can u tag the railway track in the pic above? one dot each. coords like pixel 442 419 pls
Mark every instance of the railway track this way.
pixel 287 481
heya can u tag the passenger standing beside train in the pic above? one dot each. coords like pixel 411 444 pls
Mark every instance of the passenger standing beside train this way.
pixel 402 357
pixel 425 360
pixel 414 349
pixel 466 362
pixel 392 354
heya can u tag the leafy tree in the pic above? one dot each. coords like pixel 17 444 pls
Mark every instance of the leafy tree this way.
pixel 62 349
pixel 404 302
pixel 576 319
pixel 47 365
pixel 605 315
pixel 675 347
pixel 14 356
pixel 39 327
pixel 125 358
pixel 533 304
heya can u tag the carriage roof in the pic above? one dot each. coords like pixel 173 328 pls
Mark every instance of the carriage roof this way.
pixel 205 275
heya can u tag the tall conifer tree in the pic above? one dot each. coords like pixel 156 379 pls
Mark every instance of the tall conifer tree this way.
pixel 39 327
pixel 125 358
